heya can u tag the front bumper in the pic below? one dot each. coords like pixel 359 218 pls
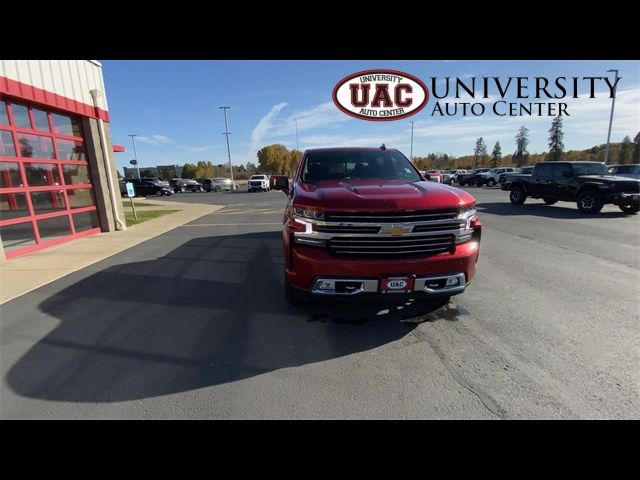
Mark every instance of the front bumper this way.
pixel 625 198
pixel 308 265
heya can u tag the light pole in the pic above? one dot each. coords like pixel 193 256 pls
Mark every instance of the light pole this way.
pixel 226 132
pixel 297 143
pixel 411 155
pixel 613 104
pixel 135 155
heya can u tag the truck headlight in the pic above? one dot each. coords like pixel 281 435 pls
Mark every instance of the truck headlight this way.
pixel 308 213
pixel 467 214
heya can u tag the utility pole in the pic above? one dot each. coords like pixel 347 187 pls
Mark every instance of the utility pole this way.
pixel 135 155
pixel 613 104
pixel 411 155
pixel 297 143
pixel 227 133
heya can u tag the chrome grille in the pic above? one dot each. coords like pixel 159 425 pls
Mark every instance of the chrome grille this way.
pixel 421 245
pixel 391 217
pixel 628 187
pixel 455 225
pixel 345 229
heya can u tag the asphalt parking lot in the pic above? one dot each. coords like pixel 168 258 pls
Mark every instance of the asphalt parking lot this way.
pixel 193 324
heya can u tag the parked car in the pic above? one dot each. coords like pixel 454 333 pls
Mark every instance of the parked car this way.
pixel 630 170
pixel 503 176
pixel 186 185
pixel 432 175
pixel 147 186
pixel 453 176
pixel 346 232
pixel 218 184
pixel 470 178
pixel 258 182
pixel 491 177
pixel 589 184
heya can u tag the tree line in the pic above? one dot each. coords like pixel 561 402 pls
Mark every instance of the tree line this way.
pixel 627 151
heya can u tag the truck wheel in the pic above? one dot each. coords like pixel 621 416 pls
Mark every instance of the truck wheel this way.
pixel 461 183
pixel 491 182
pixel 549 201
pixel 629 208
pixel 590 202
pixel 517 195
pixel 218 188
pixel 183 189
pixel 159 193
pixel 451 181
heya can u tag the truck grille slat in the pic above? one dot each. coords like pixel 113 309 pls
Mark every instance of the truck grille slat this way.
pixel 390 217
pixel 392 246
pixel 345 229
pixel 389 241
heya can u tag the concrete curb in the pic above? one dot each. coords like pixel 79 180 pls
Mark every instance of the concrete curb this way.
pixel 24 274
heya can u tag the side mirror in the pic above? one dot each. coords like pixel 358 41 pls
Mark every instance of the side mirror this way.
pixel 279 182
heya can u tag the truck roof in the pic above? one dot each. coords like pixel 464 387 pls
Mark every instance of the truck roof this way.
pixel 572 162
pixel 346 149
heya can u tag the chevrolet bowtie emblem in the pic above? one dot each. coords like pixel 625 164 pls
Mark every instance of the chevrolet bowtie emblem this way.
pixel 397 230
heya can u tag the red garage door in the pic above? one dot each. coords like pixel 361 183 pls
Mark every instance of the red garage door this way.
pixel 46 196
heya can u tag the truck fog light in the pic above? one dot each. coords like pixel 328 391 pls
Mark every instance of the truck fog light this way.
pixel 326 285
pixel 451 281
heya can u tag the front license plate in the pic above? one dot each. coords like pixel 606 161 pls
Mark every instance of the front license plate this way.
pixel 397 285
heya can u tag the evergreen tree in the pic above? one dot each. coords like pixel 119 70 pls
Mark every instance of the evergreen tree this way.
pixel 522 140
pixel 556 135
pixel 480 152
pixel 496 155
pixel 636 149
pixel 624 154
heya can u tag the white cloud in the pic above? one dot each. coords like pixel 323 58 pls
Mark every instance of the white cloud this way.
pixel 264 126
pixel 155 139
pixel 272 125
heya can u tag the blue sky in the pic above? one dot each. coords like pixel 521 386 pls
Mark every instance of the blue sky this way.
pixel 173 106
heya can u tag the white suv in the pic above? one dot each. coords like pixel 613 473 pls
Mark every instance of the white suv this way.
pixel 258 182
pixel 491 177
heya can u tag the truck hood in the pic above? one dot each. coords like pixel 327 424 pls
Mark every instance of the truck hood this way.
pixel 379 195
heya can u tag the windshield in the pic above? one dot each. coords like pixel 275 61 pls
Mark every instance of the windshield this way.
pixel 589 169
pixel 345 164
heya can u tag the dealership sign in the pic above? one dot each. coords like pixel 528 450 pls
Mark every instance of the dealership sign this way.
pixel 385 95
pixel 380 95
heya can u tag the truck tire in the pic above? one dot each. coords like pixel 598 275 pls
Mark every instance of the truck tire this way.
pixel 517 195
pixel 461 183
pixel 549 201
pixel 183 189
pixel 218 188
pixel 491 182
pixel 158 193
pixel 629 209
pixel 590 202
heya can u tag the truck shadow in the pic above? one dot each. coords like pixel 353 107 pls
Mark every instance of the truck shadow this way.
pixel 209 312
pixel 561 210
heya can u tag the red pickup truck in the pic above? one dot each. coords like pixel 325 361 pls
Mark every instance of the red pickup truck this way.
pixel 363 221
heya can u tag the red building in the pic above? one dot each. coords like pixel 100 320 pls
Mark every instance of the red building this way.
pixel 58 178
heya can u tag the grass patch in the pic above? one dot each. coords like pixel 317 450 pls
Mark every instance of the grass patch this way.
pixel 143 216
